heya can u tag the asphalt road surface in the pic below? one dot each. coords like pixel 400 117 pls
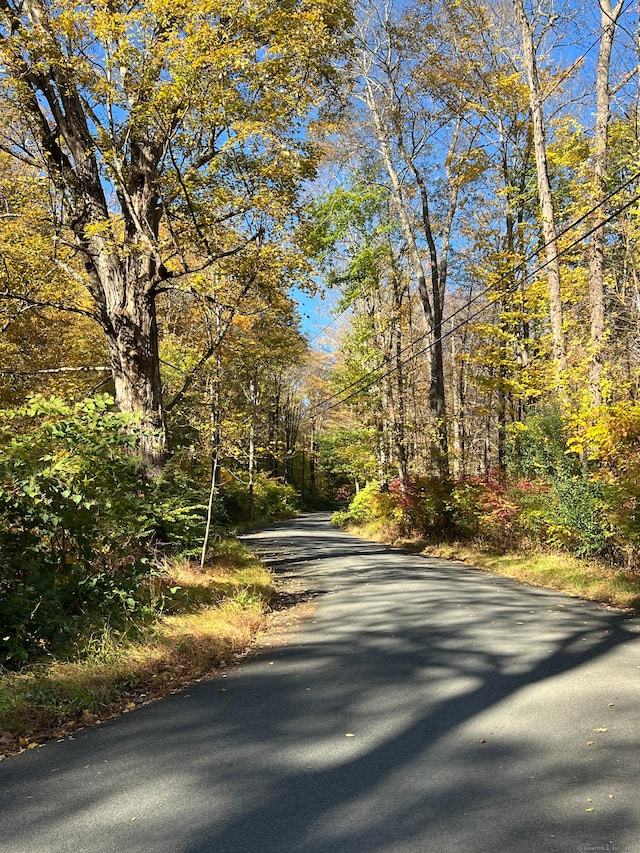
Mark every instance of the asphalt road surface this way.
pixel 424 708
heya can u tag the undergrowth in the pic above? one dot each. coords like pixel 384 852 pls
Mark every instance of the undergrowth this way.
pixel 212 618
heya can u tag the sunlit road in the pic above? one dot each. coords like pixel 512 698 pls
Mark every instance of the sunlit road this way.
pixel 425 707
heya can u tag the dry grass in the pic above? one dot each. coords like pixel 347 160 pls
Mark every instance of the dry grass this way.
pixel 217 613
pixel 581 578
pixel 562 572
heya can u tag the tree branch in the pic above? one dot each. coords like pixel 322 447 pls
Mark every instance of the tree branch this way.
pixel 45 303
pixel 86 369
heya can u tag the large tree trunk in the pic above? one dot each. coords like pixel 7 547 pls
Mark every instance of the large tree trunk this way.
pixel 458 412
pixel 132 340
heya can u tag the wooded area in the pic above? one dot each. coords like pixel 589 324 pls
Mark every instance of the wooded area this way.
pixel 464 179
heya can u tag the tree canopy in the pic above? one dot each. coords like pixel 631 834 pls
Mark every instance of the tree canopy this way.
pixel 462 178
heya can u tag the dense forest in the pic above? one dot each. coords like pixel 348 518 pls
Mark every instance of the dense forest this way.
pixel 463 182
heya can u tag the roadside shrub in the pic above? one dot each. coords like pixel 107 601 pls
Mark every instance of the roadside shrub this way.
pixel 466 507
pixel 343 494
pixel 578 520
pixel 498 515
pixel 488 511
pixel 78 524
pixel 426 506
pixel 538 448
pixel 566 498
pixel 609 438
pixel 370 504
pixel 623 515
pixel 576 514
pixel 535 502
pixel 272 499
pixel 180 500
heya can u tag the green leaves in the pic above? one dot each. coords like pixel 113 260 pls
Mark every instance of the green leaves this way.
pixel 78 522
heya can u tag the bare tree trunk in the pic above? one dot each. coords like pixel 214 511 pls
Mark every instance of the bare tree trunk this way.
pixel 395 395
pixel 457 399
pixel 251 465
pixel 398 387
pixel 546 199
pixel 502 423
pixel 313 486
pixel 608 19
pixel 382 450
pixel 431 298
pixel 216 441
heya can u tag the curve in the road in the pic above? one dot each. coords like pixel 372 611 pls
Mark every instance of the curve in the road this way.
pixel 425 707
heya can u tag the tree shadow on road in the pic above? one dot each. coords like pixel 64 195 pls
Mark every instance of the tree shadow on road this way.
pixel 471 702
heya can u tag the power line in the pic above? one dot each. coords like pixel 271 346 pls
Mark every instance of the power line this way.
pixel 328 326
pixel 521 266
pixel 556 83
pixel 323 407
pixel 481 310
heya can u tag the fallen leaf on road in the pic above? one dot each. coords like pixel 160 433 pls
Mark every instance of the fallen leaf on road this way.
pixel 601 730
pixel 349 734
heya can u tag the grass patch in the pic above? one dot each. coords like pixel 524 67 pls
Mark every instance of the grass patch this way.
pixel 209 621
pixel 561 572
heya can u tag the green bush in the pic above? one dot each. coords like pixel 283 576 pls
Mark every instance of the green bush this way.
pixel 577 512
pixel 374 503
pixel 79 524
pixel 180 499
pixel 578 520
pixel 538 448
pixel 534 502
pixel 272 499
pixel 370 504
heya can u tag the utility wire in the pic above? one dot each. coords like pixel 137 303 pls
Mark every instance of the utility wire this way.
pixel 469 319
pixel 487 289
pixel 328 326
pixel 323 407
pixel 547 95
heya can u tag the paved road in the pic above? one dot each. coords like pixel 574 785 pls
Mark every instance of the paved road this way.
pixel 425 707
